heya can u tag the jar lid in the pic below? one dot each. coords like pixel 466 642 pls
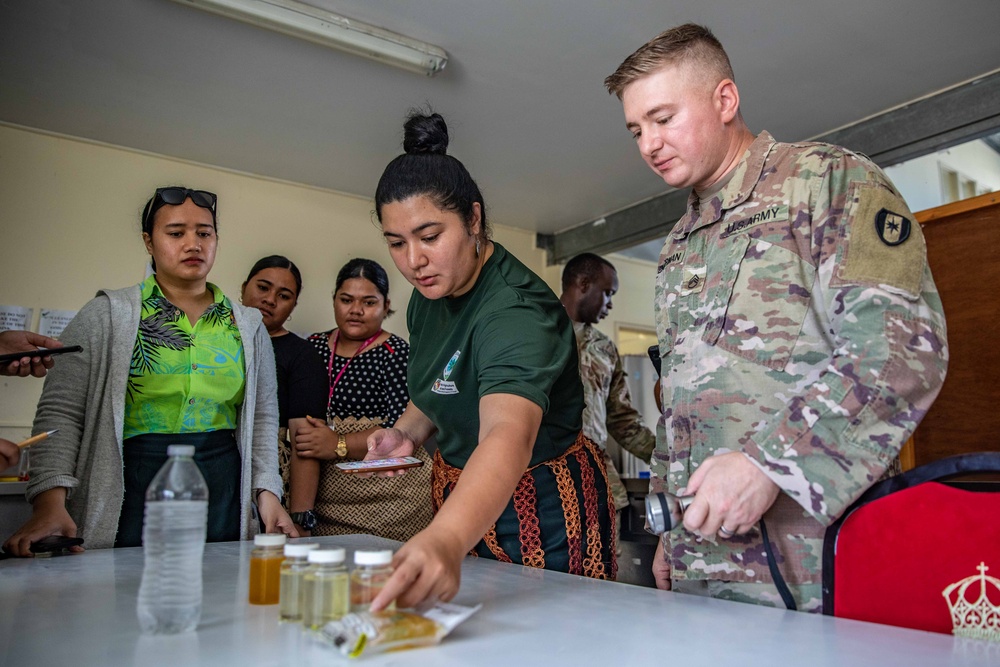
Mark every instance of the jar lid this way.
pixel 180 450
pixel 373 557
pixel 299 549
pixel 269 539
pixel 327 555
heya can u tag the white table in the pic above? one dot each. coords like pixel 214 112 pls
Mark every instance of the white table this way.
pixel 80 611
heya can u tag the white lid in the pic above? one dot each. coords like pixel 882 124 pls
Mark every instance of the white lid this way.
pixel 269 539
pixel 299 549
pixel 327 555
pixel 180 450
pixel 373 557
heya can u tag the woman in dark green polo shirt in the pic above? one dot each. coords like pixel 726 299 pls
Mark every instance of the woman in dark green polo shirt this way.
pixel 493 371
pixel 171 360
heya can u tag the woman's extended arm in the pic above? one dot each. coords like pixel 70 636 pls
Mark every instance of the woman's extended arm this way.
pixel 428 567
pixel 63 406
pixel 263 450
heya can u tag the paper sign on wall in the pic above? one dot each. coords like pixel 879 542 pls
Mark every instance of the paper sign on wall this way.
pixel 52 322
pixel 15 317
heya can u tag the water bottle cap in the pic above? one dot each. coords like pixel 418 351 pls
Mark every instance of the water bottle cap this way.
pixel 298 550
pixel 327 555
pixel 373 557
pixel 269 539
pixel 180 450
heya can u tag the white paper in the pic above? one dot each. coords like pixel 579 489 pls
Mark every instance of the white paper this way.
pixel 52 322
pixel 15 317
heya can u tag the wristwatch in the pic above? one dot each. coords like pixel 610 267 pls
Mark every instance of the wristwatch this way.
pixel 341 445
pixel 305 519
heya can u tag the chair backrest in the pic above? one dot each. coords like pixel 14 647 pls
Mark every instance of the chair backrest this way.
pixel 893 554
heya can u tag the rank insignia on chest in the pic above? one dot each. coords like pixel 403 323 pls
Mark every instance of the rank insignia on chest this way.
pixel 693 280
pixel 892 228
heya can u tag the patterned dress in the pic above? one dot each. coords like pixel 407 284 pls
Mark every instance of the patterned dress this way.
pixel 371 392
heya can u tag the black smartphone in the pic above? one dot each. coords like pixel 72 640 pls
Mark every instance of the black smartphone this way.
pixel 54 545
pixel 654 356
pixel 40 352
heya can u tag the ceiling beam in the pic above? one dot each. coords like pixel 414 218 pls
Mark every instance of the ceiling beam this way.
pixel 963 113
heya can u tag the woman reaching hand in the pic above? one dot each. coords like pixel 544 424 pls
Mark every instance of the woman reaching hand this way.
pixel 493 371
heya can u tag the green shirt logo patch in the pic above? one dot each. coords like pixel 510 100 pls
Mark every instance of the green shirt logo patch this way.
pixel 442 385
pixel 892 228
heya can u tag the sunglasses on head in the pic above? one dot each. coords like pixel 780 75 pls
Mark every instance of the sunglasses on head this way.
pixel 176 197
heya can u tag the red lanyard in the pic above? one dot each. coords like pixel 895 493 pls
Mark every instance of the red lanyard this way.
pixel 333 353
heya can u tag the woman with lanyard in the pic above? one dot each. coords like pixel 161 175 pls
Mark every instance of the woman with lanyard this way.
pixel 273 287
pixel 367 370
pixel 170 360
pixel 493 371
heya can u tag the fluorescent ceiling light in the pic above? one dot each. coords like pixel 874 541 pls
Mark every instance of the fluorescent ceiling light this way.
pixel 323 27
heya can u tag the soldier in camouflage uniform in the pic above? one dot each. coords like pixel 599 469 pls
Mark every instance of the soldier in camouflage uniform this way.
pixel 588 283
pixel 801 333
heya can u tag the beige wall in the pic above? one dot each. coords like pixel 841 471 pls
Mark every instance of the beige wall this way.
pixel 69 211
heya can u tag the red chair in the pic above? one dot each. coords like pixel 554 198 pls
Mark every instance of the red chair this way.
pixel 916 553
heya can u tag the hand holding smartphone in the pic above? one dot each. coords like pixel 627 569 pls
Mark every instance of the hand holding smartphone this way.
pixel 380 465
pixel 55 545
pixel 40 352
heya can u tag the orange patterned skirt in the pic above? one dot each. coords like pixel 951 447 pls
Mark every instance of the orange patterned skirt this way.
pixel 560 518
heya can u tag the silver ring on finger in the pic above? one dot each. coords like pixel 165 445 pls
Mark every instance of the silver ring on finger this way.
pixel 725 532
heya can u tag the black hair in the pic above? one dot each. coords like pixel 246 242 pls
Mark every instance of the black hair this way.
pixel 368 269
pixel 426 169
pixel 585 264
pixel 154 204
pixel 277 262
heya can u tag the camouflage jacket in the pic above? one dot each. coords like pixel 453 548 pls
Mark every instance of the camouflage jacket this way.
pixel 798 323
pixel 608 404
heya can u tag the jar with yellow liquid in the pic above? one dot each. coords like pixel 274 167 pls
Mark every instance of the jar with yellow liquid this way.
pixel 265 568
pixel 325 588
pixel 293 571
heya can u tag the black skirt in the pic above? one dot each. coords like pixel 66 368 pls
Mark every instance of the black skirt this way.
pixel 218 458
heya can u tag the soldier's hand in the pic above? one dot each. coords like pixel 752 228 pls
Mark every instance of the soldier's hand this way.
pixel 661 567
pixel 729 491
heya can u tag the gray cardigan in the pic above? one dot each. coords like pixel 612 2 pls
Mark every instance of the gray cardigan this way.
pixel 84 397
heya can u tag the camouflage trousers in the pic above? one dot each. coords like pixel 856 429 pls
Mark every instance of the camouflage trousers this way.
pixel 808 597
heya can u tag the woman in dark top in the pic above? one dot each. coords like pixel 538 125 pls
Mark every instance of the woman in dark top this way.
pixel 273 287
pixel 366 371
pixel 493 372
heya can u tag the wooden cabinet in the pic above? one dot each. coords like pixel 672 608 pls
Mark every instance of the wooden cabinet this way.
pixel 963 249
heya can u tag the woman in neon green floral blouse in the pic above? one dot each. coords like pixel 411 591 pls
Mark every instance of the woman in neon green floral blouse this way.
pixel 171 360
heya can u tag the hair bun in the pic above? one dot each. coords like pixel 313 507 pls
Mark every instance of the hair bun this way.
pixel 425 134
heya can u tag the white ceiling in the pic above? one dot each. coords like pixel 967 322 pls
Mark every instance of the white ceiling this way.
pixel 522 93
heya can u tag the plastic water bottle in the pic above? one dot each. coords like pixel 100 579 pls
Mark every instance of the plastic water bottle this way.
pixel 173 541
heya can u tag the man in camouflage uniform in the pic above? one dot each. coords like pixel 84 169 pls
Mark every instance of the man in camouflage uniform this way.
pixel 588 283
pixel 801 333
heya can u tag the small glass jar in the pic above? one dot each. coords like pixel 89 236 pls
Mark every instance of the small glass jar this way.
pixel 293 571
pixel 371 570
pixel 265 567
pixel 24 466
pixel 325 588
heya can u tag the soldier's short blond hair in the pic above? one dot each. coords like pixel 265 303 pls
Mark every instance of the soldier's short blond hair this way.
pixel 688 43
